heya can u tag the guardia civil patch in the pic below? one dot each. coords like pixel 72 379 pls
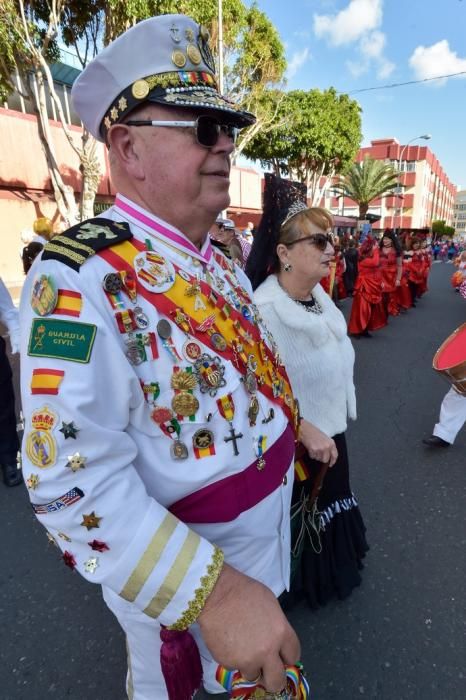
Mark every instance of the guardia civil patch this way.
pixel 64 340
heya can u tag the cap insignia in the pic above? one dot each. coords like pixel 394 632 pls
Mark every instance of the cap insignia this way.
pixel 140 89
pixel 194 54
pixel 175 32
pixel 178 58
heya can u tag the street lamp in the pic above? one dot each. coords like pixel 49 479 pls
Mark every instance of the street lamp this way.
pixel 426 137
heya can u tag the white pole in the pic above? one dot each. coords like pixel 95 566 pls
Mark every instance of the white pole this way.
pixel 220 47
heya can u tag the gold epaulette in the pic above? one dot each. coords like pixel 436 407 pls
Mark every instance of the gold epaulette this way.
pixel 80 242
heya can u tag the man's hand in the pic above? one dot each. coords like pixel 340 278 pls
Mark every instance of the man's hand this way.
pixel 245 629
pixel 318 444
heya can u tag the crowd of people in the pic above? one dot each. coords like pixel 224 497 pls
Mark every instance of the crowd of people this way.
pixel 186 396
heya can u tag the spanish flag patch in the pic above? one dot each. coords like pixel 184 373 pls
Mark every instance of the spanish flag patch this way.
pixel 69 303
pixel 46 381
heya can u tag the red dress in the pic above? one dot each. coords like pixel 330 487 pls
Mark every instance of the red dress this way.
pixel 404 294
pixel 389 270
pixel 426 263
pixel 368 310
pixel 341 266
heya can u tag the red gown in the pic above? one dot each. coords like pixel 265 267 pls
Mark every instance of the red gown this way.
pixel 389 271
pixel 368 310
pixel 339 276
pixel 426 263
pixel 404 294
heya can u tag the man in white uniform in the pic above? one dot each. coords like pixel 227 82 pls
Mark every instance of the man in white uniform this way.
pixel 452 418
pixel 159 446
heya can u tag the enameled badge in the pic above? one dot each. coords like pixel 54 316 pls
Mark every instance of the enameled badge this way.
pixel 154 272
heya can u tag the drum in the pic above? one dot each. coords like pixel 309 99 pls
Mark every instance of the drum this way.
pixel 450 359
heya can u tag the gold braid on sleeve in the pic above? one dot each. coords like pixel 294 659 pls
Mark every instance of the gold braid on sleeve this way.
pixel 201 594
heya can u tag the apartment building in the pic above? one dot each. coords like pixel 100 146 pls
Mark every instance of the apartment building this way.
pixel 459 221
pixel 424 194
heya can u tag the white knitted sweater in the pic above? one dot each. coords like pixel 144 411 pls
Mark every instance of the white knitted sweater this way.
pixel 316 352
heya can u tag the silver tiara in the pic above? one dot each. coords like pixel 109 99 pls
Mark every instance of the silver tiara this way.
pixel 294 209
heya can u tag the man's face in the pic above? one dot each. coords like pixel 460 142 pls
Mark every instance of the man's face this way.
pixel 181 176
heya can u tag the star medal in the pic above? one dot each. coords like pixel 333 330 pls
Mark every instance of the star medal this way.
pixel 76 462
pixel 41 447
pixel 194 290
pixel 91 520
pixel 44 295
pixel 154 272
pixel 209 372
pixel 69 430
pixel 91 565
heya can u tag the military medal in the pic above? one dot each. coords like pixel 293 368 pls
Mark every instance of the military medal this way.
pixel 253 410
pixel 226 408
pixel 112 283
pixel 194 290
pixel 76 462
pixel 209 372
pixel 154 272
pixel 203 443
pixel 41 447
pixel 260 443
pixel 91 521
pixel 191 351
pixel 170 427
pixel 44 295
pixel 164 331
pixel 69 430
pixel 142 320
pixel 151 391
pixel 184 403
pixel 135 350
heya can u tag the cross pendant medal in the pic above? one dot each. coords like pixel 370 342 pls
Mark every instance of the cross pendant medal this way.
pixel 233 438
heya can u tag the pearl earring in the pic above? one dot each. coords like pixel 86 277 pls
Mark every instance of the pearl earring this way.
pixel 287 267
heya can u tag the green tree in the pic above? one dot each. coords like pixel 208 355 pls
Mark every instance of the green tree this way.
pixel 366 181
pixel 30 31
pixel 317 136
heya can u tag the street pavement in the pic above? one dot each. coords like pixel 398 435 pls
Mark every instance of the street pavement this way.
pixel 400 636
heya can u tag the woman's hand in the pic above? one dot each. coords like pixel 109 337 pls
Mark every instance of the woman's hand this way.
pixel 318 444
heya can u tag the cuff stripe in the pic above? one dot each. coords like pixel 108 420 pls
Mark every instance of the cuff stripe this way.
pixel 149 559
pixel 175 576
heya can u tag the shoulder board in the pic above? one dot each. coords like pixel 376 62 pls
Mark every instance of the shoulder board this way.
pixel 80 242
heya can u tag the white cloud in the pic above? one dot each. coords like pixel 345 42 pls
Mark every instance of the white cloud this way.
pixel 358 24
pixel 349 25
pixel 296 61
pixel 357 68
pixel 438 59
pixel 385 69
pixel 373 44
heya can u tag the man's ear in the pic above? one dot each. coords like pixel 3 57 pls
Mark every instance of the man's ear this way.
pixel 124 146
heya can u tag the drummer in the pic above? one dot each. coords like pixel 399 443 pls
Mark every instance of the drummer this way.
pixel 452 418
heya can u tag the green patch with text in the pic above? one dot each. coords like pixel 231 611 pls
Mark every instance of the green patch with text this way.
pixel 64 340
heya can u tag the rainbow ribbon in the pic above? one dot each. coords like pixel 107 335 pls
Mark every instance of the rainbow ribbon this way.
pixel 297 687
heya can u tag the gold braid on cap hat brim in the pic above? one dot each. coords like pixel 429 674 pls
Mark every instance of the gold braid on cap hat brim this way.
pixel 138 92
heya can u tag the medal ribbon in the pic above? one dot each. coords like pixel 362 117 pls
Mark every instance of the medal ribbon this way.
pixel 226 407
pixel 170 235
pixel 272 379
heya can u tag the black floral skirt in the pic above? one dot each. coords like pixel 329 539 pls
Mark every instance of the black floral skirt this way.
pixel 328 535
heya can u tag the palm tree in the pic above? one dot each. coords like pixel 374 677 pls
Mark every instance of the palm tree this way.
pixel 367 181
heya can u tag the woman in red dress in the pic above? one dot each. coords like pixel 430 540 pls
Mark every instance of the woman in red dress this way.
pixel 426 265
pixel 413 259
pixel 368 311
pixel 391 267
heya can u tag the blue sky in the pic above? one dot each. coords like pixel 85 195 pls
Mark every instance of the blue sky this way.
pixel 354 44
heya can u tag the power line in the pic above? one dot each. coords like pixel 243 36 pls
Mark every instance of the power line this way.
pixel 409 82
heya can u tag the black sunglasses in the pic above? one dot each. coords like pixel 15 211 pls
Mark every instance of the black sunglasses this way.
pixel 320 240
pixel 207 129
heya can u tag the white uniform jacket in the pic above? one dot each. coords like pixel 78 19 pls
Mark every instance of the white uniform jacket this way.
pixel 100 471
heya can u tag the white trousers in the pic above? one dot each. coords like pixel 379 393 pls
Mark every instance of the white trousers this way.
pixel 452 416
pixel 145 680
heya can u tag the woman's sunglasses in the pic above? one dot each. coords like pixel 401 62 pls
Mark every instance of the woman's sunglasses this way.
pixel 320 240
pixel 207 129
